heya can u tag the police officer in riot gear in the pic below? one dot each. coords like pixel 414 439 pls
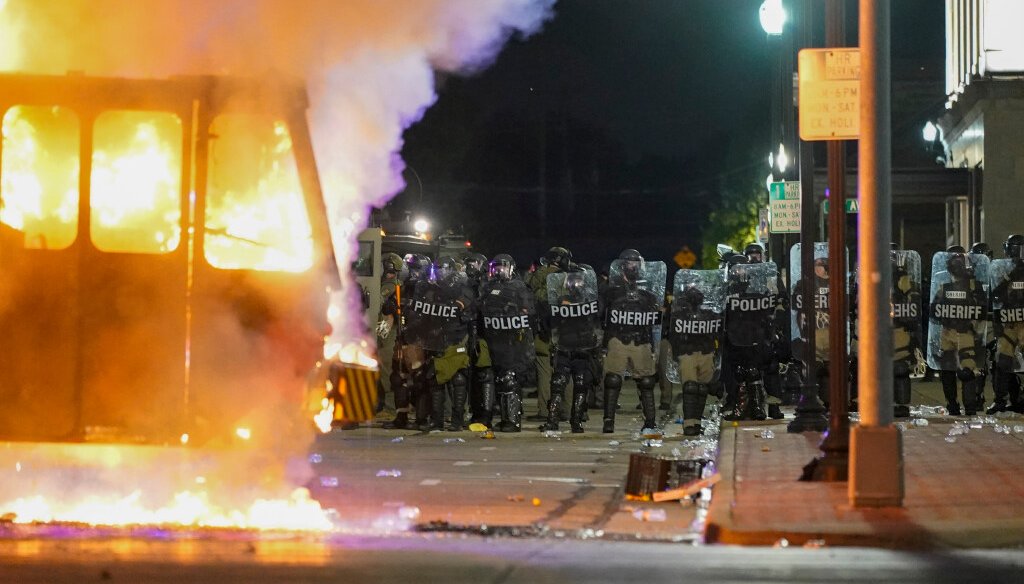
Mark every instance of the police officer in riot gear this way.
pixel 632 314
pixel 750 302
pixel 779 349
pixel 387 327
pixel 907 335
pixel 982 248
pixel 575 341
pixel 958 326
pixel 695 330
pixel 557 259
pixel 508 317
pixel 409 368
pixel 1008 319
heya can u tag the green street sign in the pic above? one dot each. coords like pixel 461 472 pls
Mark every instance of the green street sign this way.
pixel 784 207
pixel 852 206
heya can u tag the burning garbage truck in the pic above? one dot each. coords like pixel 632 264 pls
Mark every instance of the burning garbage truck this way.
pixel 165 259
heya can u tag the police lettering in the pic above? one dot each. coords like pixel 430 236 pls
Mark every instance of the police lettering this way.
pixel 507 323
pixel 750 304
pixel 631 318
pixel 697 327
pixel 957 311
pixel 1011 315
pixel 441 310
pixel 574 310
pixel 904 310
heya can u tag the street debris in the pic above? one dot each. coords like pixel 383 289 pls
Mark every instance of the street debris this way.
pixel 409 513
pixel 398 439
pixel 453 440
pixel 516 498
pixel 536 502
pixel 315 458
pixel 781 543
pixel 687 490
pixel 329 482
pixel 766 434
pixel 814 543
pixel 650 514
pixel 394 472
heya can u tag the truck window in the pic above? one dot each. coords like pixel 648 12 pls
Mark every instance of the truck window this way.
pixel 39 175
pixel 135 193
pixel 256 216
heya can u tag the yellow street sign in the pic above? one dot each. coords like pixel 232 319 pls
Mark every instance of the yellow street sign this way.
pixel 685 258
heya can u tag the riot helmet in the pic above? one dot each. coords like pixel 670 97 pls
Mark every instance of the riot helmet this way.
pixel 574 285
pixel 1014 246
pixel 691 297
pixel 822 264
pixel 959 265
pixel 956 249
pixel 502 267
pixel 558 257
pixel 393 264
pixel 982 248
pixel 899 261
pixel 475 264
pixel 754 253
pixel 446 270
pixel 418 266
pixel 632 264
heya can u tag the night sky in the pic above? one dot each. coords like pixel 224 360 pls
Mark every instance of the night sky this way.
pixel 634 114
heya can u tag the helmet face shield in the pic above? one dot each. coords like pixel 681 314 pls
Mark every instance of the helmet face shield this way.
pixel 1014 246
pixel 502 267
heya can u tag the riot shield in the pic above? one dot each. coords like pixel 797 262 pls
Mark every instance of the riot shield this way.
pixel 1006 277
pixel 506 310
pixel 820 285
pixel 696 319
pixel 428 312
pixel 958 320
pixel 908 338
pixel 575 316
pixel 635 302
pixel 751 293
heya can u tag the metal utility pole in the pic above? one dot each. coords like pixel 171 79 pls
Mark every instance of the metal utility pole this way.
pixel 833 463
pixel 809 411
pixel 876 447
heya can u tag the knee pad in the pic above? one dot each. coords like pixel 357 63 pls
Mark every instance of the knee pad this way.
pixel 483 375
pixel 646 383
pixel 508 382
pixel 613 380
pixel 691 388
pixel 459 380
pixel 900 369
pixel 965 374
pixel 560 380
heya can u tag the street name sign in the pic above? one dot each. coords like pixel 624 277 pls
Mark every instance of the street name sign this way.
pixel 829 94
pixel 784 207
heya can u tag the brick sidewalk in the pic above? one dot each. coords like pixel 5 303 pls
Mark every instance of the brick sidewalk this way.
pixel 969 493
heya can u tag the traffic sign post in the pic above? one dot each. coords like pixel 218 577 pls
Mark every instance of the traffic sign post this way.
pixel 851 206
pixel 829 94
pixel 784 207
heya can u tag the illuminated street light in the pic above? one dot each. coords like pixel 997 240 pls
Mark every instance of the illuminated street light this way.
pixel 421 225
pixel 782 158
pixel 773 16
pixel 930 132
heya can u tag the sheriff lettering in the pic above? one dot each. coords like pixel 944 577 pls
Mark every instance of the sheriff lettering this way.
pixel 507 323
pixel 957 311
pixel 441 310
pixel 634 318
pixel 1008 315
pixel 574 310
pixel 820 300
pixel 904 310
pixel 697 327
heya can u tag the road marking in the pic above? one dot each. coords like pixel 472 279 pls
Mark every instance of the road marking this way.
pixel 553 480
pixel 462 463
pixel 430 482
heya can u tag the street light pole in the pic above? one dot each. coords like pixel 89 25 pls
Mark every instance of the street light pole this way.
pixel 876 446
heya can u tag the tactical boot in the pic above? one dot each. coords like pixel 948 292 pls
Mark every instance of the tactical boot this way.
pixel 511 413
pixel 401 422
pixel 437 408
pixel 755 402
pixel 775 412
pixel 579 411
pixel 554 413
pixel 460 392
pixel 612 387
pixel 694 399
pixel 423 411
pixel 647 404
pixel 970 393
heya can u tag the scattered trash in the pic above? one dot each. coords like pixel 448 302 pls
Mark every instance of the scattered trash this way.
pixel 814 543
pixel 552 434
pixel 453 440
pixel 614 443
pixel 329 482
pixel 397 439
pixel 976 424
pixel 650 514
pixel 920 422
pixel 1001 429
pixel 1017 429
pixel 951 439
pixel 766 434
pixel 766 449
pixel 8 517
pixel 781 543
pixel 316 458
pixel 488 435
pixel 652 443
pixel 677 453
pixel 929 411
pixel 478 427
pixel 516 498
pixel 389 473
pixel 536 502
pixel 410 513
pixel 688 489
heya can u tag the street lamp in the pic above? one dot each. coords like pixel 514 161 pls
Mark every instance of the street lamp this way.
pixel 421 225
pixel 772 16
pixel 930 132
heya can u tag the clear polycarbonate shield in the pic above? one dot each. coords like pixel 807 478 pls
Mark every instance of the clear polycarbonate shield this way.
pixel 958 319
pixel 908 336
pixel 1006 285
pixel 651 278
pixel 574 316
pixel 506 314
pixel 819 283
pixel 751 295
pixel 427 312
pixel 696 320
